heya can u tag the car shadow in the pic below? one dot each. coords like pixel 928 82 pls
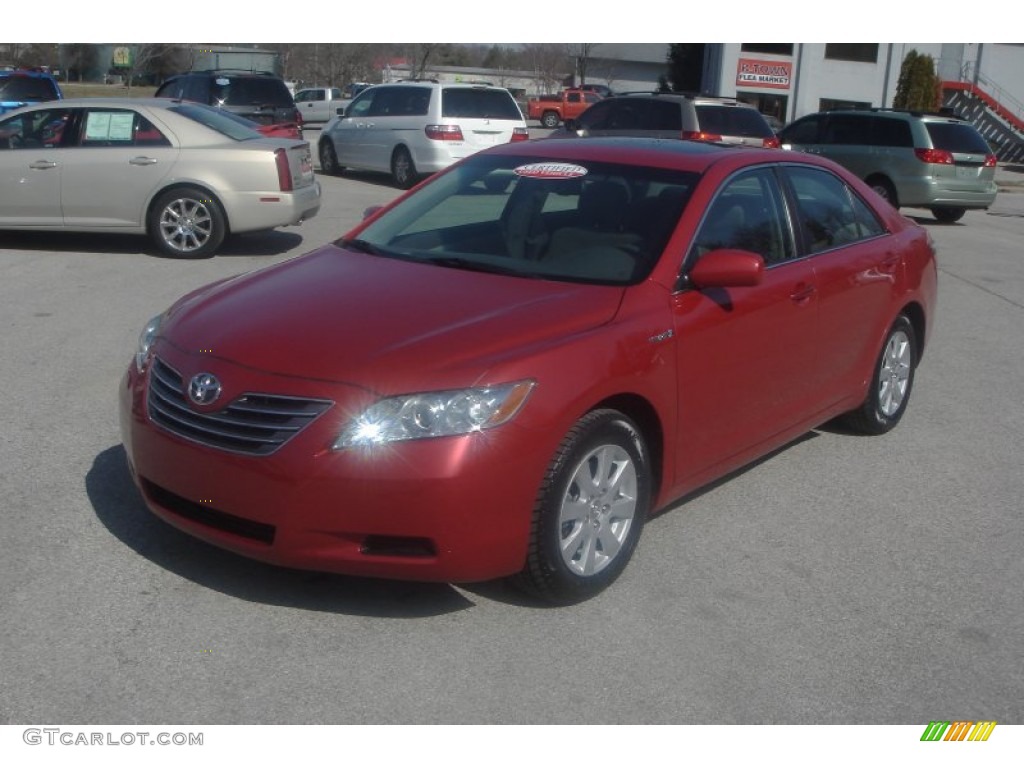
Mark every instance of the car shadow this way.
pixel 120 508
pixel 270 243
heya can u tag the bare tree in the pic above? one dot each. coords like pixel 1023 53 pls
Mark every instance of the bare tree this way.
pixel 580 54
pixel 156 59
pixel 548 62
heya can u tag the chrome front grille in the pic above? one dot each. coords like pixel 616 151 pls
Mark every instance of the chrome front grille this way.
pixel 253 423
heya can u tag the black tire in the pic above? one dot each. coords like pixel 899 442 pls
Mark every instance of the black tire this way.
pixel 891 382
pixel 329 158
pixel 187 223
pixel 948 215
pixel 884 188
pixel 403 170
pixel 578 518
pixel 549 120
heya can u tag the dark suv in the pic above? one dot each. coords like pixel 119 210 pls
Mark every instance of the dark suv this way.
pixel 257 96
pixel 670 115
pixel 19 88
pixel 917 159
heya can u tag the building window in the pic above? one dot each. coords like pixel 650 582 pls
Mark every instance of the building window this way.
pixel 867 52
pixel 825 104
pixel 778 49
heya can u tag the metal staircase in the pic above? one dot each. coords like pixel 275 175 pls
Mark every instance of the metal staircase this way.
pixel 997 115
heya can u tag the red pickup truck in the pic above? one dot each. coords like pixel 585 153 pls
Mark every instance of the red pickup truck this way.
pixel 551 110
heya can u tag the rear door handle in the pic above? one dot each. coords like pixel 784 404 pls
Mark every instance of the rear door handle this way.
pixel 143 161
pixel 42 165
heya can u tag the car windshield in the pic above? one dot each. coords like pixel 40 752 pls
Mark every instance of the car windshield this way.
pixel 21 88
pixel 957 137
pixel 223 122
pixel 475 102
pixel 590 222
pixel 732 121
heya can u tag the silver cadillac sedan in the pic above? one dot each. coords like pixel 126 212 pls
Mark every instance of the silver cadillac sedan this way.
pixel 185 174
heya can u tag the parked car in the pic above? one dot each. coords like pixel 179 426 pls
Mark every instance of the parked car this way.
pixel 319 104
pixel 933 161
pixel 20 87
pixel 185 174
pixel 554 108
pixel 412 128
pixel 259 96
pixel 669 115
pixel 601 90
pixel 503 372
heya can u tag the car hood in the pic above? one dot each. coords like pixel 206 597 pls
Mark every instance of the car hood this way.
pixel 385 324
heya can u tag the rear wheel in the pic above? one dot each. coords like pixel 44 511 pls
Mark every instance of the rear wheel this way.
pixel 890 386
pixel 187 223
pixel 884 188
pixel 590 510
pixel 549 120
pixel 403 170
pixel 948 215
pixel 329 158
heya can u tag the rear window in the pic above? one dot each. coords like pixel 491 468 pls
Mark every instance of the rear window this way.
pixel 21 88
pixel 471 102
pixel 250 91
pixel 732 121
pixel 956 137
pixel 222 122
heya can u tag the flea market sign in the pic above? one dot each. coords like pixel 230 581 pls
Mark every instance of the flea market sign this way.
pixel 760 73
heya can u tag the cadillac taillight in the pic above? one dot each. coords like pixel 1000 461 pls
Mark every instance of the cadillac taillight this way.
pixel 284 171
pixel 444 132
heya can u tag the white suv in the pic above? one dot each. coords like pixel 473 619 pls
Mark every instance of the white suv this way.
pixel 415 127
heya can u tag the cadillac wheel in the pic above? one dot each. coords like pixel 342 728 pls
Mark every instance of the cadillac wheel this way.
pixel 590 510
pixel 186 223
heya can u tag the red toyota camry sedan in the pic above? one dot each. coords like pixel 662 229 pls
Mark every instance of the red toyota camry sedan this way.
pixel 503 372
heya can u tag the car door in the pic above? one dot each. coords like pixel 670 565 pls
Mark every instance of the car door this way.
pixel 32 161
pixel 856 267
pixel 743 354
pixel 349 133
pixel 312 103
pixel 112 172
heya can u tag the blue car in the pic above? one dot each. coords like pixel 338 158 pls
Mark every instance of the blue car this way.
pixel 19 88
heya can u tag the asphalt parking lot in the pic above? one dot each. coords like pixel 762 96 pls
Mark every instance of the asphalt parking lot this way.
pixel 843 579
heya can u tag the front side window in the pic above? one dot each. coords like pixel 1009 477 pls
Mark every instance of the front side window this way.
pixel 39 129
pixel 826 210
pixel 804 131
pixel 361 105
pixel 402 101
pixel 590 222
pixel 747 214
pixel 595 118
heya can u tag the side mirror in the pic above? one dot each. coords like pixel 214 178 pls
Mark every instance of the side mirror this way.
pixel 727 268
pixel 340 111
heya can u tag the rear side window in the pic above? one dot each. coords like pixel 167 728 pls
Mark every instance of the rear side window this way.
pixel 956 137
pixel 470 102
pixel 239 91
pixel 887 132
pixel 826 211
pixel 802 131
pixel 216 120
pixel 732 121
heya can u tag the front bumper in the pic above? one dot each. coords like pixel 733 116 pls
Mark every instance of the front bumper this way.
pixel 446 509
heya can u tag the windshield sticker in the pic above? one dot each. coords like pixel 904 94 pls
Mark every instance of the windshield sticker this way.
pixel 551 171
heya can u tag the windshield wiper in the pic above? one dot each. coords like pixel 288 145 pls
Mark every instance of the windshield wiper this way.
pixel 363 246
pixel 457 262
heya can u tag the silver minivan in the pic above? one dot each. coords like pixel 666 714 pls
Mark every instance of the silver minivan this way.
pixel 916 159
pixel 413 128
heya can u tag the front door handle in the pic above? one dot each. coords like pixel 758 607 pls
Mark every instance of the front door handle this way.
pixel 802 293
pixel 142 161
pixel 42 165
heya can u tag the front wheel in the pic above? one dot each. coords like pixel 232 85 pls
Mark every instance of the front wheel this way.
pixel 891 383
pixel 948 215
pixel 187 223
pixel 590 510
pixel 549 120
pixel 403 170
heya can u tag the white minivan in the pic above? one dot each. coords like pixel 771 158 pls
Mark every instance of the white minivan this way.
pixel 413 128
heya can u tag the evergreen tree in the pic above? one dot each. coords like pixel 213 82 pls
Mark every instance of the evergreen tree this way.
pixel 918 87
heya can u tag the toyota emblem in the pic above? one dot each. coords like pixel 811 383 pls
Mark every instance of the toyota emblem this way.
pixel 203 389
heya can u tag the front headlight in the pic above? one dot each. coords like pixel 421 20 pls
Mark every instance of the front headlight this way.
pixel 146 339
pixel 435 414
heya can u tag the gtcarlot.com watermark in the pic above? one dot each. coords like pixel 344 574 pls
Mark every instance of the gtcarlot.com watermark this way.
pixel 60 736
